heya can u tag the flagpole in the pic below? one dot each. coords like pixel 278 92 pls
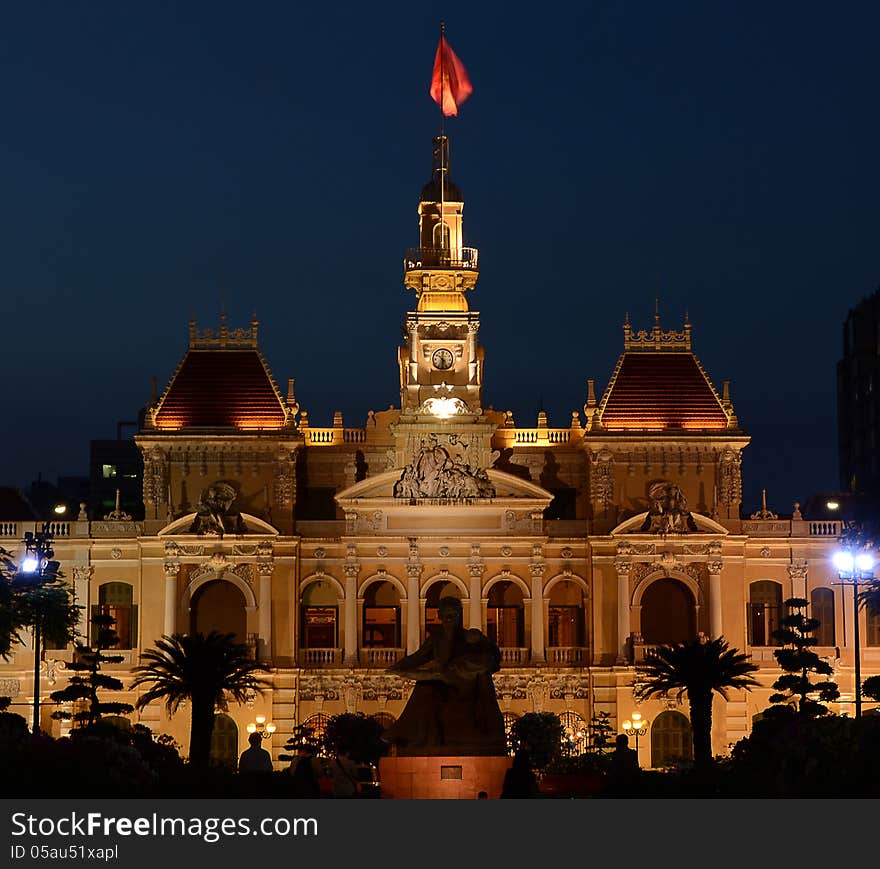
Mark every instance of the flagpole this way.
pixel 442 134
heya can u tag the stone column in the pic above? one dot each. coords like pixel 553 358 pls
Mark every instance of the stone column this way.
pixel 172 569
pixel 350 645
pixel 622 566
pixel 716 627
pixel 797 573
pixel 264 613
pixel 413 571
pixel 476 606
pixel 536 569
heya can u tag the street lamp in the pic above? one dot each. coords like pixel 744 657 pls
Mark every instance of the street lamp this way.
pixel 259 725
pixel 855 570
pixel 637 726
pixel 35 564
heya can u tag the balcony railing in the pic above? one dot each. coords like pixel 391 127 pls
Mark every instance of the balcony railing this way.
pixel 567 656
pixel 438 258
pixel 380 657
pixel 320 657
pixel 511 656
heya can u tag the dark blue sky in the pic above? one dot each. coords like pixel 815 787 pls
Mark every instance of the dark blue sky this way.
pixel 159 158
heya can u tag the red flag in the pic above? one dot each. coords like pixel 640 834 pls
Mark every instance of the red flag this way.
pixel 449 82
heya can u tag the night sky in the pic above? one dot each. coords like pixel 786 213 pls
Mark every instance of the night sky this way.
pixel 161 160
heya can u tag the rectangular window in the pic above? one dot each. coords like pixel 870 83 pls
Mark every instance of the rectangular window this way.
pixel 872 628
pixel 504 625
pixel 381 627
pixel 763 619
pixel 125 623
pixel 565 626
pixel 108 472
pixel 319 627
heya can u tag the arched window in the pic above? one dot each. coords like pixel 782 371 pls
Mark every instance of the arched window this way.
pixel 441 236
pixel 765 604
pixel 505 615
pixel 574 733
pixel 224 742
pixel 381 617
pixel 320 615
pixel 115 599
pixel 671 739
pixel 822 609
pixel 669 613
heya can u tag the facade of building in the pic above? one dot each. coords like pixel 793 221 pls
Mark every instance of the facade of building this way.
pixel 327 549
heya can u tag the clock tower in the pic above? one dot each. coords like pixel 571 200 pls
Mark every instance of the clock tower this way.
pixel 441 364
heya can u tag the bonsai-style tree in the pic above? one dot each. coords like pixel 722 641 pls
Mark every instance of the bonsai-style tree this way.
pixel 871 688
pixel 84 686
pixel 699 668
pixel 798 660
pixel 303 736
pixel 601 732
pixel 206 670
pixel 540 735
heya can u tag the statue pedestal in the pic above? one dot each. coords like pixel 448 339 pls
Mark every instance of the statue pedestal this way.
pixel 442 778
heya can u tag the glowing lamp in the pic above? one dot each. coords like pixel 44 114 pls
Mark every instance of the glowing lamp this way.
pixel 29 565
pixel 843 561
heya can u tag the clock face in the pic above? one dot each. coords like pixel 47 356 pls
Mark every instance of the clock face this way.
pixel 442 359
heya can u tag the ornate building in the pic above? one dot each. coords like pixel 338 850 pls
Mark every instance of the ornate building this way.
pixel 327 549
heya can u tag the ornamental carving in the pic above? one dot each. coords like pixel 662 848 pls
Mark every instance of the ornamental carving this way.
pixel 439 472
pixel 285 478
pixel 730 477
pixel 214 514
pixel 155 476
pixel 668 513
pixel 83 574
pixel 602 477
pixel 798 571
pixel 10 687
pixel 714 566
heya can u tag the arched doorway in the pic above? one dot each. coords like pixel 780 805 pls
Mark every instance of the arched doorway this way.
pixel 671 739
pixel 224 742
pixel 566 625
pixel 219 606
pixel 669 613
pixel 320 616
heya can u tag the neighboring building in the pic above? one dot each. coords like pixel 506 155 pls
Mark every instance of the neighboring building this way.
pixel 327 549
pixel 858 399
pixel 116 474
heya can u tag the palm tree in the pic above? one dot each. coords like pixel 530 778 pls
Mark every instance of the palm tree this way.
pixel 697 668
pixel 206 670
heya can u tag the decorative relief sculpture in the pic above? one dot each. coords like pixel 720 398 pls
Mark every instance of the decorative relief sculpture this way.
pixel 602 477
pixel 669 512
pixel 730 477
pixel 213 514
pixel 438 473
pixel 284 478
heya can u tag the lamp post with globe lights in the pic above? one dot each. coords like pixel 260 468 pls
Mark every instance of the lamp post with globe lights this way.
pixel 854 569
pixel 261 726
pixel 635 725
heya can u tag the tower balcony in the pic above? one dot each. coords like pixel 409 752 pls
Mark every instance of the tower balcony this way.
pixel 420 258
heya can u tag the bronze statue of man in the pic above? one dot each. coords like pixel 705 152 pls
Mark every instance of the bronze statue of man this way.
pixel 453 709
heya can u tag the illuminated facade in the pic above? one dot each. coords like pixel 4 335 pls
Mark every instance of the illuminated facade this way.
pixel 327 549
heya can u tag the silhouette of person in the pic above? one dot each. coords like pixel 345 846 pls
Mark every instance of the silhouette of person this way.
pixel 624 768
pixel 255 759
pixel 519 780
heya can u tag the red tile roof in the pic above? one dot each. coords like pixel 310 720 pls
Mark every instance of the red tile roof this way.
pixel 221 389
pixel 660 390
